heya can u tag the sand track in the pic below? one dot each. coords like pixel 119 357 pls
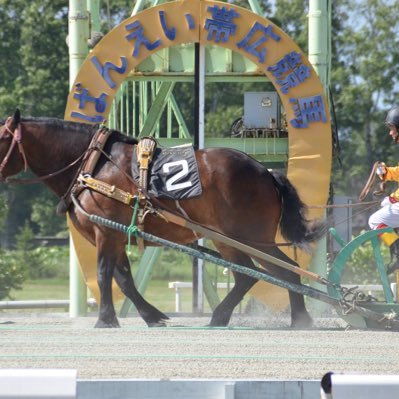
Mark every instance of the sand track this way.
pixel 253 348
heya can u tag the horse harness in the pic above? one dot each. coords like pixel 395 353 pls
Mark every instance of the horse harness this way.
pixel 5 132
pixel 16 141
pixel 145 150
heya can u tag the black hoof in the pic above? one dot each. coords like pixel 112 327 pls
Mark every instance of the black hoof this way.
pixel 155 318
pixel 302 321
pixel 218 323
pixel 103 324
pixel 161 323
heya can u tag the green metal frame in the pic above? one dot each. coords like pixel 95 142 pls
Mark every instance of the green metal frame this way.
pixel 272 151
pixel 340 263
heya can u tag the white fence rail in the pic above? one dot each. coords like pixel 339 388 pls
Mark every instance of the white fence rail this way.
pixel 38 383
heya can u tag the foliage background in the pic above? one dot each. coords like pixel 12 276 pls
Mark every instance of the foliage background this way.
pixel 34 77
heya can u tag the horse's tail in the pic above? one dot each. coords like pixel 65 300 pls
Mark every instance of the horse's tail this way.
pixel 294 226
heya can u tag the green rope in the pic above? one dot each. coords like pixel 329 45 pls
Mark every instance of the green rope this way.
pixel 132 229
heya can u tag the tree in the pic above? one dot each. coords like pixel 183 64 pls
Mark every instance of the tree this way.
pixel 364 82
pixel 291 17
pixel 12 273
pixel 34 57
pixel 364 78
pixel 34 77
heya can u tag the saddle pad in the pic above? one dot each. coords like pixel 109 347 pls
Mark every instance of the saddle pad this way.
pixel 173 173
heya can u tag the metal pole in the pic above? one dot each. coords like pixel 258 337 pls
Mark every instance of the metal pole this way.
pixel 201 145
pixel 319 38
pixel 201 96
pixel 199 142
pixel 319 56
pixel 78 28
pixel 93 7
pixel 255 7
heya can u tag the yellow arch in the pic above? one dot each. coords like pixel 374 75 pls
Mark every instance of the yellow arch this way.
pixel 258 39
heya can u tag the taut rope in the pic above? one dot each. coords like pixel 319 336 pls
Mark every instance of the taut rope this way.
pixel 370 183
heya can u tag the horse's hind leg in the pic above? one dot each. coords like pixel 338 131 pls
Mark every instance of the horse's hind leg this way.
pixel 243 283
pixel 300 317
pixel 123 276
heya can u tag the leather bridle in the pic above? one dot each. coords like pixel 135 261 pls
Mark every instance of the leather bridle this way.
pixel 16 135
pixel 6 132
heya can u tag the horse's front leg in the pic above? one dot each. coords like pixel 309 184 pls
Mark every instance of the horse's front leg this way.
pixel 123 276
pixel 105 270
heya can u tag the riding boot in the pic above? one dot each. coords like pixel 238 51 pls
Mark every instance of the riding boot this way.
pixel 391 240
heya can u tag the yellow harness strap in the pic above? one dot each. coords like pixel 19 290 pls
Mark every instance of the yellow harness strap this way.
pixel 145 151
pixel 106 189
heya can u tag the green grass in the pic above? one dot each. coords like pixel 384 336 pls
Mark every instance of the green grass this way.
pixel 51 288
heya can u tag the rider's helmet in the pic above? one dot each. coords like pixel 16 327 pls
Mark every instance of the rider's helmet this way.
pixel 393 117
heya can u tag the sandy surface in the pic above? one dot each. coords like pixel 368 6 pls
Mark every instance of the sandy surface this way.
pixel 252 348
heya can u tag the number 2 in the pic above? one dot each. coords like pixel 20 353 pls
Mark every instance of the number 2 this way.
pixel 170 183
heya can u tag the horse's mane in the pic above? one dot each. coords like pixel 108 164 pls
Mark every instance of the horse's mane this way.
pixel 79 127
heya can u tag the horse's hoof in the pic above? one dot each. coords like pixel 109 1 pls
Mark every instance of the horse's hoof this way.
pixel 155 318
pixel 303 321
pixel 218 323
pixel 103 324
pixel 160 323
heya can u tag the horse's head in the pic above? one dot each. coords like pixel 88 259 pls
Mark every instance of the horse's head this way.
pixel 12 156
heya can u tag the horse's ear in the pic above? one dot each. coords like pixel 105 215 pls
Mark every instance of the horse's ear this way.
pixel 17 116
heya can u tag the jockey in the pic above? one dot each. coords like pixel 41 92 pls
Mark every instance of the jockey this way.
pixel 388 214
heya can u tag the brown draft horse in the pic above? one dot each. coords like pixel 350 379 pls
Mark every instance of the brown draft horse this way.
pixel 240 198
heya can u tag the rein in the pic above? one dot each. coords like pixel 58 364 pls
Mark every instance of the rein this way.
pixel 343 205
pixel 370 183
pixel 45 177
pixel 16 140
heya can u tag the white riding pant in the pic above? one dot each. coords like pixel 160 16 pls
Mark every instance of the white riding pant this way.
pixel 388 214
